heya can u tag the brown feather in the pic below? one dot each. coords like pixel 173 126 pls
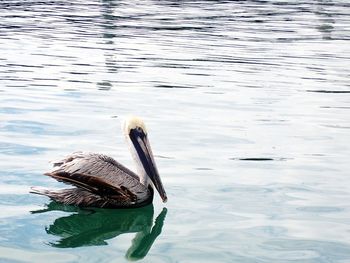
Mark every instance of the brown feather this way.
pixel 93 184
pixel 100 180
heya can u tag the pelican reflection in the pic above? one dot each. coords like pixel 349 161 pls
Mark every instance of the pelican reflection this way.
pixel 92 227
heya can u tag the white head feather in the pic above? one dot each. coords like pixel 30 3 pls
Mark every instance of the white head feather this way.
pixel 132 122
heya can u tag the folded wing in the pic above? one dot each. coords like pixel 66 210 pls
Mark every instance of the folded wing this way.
pixel 100 176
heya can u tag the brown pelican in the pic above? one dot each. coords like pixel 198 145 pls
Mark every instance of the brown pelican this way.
pixel 100 181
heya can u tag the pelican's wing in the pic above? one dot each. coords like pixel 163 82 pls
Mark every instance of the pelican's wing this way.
pixel 99 174
pixel 94 185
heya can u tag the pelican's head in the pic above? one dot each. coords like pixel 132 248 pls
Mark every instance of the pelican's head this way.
pixel 135 130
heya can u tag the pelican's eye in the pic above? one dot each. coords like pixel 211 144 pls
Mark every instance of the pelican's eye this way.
pixel 139 129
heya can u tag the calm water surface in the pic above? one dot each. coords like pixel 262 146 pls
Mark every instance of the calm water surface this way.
pixel 248 109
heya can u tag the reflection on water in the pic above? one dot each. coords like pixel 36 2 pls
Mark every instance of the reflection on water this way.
pixel 93 227
pixel 326 19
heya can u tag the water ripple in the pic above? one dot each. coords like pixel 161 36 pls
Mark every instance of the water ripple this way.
pixel 19 149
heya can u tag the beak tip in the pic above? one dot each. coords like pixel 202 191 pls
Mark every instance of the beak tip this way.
pixel 165 199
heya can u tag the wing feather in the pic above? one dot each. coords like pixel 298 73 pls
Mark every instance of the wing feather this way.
pixel 100 174
pixel 93 184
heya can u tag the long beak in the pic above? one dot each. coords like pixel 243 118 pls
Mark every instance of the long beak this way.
pixel 144 152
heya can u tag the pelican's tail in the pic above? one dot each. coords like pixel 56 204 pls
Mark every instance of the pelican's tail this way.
pixel 39 191
pixel 57 195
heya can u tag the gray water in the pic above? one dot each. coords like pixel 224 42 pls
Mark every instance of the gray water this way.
pixel 248 110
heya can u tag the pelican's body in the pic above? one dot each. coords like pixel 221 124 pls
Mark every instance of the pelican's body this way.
pixel 100 181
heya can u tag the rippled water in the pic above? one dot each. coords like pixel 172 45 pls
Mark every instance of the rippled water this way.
pixel 248 109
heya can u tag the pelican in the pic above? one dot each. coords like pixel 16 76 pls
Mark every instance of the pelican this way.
pixel 101 181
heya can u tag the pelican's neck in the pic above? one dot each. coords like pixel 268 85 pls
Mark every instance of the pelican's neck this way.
pixel 143 177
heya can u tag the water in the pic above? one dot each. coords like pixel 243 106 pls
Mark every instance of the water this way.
pixel 247 106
